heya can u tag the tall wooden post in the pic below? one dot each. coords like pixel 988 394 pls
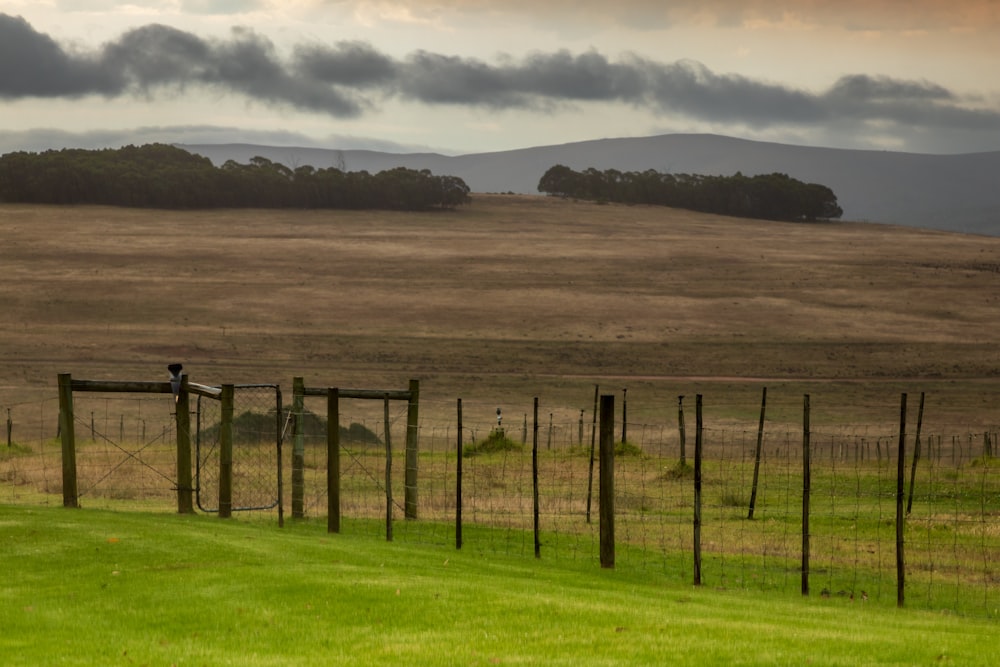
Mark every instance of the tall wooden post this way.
pixel 333 460
pixel 182 420
pixel 66 433
pixel 458 482
pixel 756 460
pixel 806 483
pixel 279 438
pixel 698 443
pixel 916 453
pixel 900 517
pixel 624 415
pixel 226 453
pixel 534 481
pixel 606 493
pixel 412 451
pixel 298 448
pixel 388 471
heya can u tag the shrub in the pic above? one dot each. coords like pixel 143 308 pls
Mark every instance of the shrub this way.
pixel 496 441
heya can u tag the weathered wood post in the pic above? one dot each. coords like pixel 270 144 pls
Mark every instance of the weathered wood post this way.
pixel 388 471
pixel 66 433
pixel 756 459
pixel 900 517
pixel 806 482
pixel 698 444
pixel 226 453
pixel 279 438
pixel 916 453
pixel 182 420
pixel 458 482
pixel 298 448
pixel 534 480
pixel 606 485
pixel 624 414
pixel 333 460
pixel 412 451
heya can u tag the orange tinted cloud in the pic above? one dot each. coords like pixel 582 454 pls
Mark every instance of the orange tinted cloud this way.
pixel 884 15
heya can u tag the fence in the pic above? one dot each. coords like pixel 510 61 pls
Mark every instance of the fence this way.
pixel 848 535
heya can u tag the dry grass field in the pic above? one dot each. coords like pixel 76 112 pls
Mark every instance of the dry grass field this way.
pixel 508 298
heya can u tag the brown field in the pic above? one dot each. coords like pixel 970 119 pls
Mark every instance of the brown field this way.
pixel 508 298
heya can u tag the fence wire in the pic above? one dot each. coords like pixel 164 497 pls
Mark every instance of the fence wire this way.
pixel 952 529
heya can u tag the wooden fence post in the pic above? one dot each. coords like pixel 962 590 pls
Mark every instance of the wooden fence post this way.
pixel 806 483
pixel 66 433
pixel 607 481
pixel 226 453
pixel 698 444
pixel 916 453
pixel 333 460
pixel 412 450
pixel 760 443
pixel 279 416
pixel 298 448
pixel 624 414
pixel 182 420
pixel 900 517
pixel 534 480
pixel 388 470
pixel 593 442
pixel 458 482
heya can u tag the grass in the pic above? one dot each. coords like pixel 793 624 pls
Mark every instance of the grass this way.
pixel 508 299
pixel 85 587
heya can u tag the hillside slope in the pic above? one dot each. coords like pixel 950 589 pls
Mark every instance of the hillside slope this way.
pixel 947 192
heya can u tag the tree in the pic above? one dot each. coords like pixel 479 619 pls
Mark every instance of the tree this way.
pixel 771 196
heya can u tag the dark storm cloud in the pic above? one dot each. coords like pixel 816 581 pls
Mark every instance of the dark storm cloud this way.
pixel 347 64
pixel 349 78
pixel 34 65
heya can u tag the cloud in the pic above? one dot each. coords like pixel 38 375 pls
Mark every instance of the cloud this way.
pixel 41 139
pixel 861 15
pixel 350 78
pixel 34 65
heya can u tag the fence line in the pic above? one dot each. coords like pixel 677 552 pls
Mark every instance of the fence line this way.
pixel 952 531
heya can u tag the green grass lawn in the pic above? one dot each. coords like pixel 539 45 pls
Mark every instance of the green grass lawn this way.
pixel 87 587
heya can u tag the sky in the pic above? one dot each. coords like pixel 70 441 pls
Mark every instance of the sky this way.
pixel 471 76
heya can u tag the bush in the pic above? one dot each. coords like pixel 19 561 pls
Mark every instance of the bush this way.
pixel 496 441
pixel 626 448
pixel 679 471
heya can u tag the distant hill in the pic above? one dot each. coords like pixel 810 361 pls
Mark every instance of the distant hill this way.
pixel 949 192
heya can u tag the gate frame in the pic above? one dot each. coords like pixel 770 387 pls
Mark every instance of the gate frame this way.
pixel 333 396
pixel 182 416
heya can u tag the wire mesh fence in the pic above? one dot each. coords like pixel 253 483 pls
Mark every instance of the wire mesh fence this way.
pixel 952 526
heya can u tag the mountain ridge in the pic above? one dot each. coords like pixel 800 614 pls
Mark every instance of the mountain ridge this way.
pixel 958 193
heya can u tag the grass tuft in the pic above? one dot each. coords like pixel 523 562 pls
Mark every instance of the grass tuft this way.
pixel 496 441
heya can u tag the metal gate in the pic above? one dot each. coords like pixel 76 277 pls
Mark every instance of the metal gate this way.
pixel 257 424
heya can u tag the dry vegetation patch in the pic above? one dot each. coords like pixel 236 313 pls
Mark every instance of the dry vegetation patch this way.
pixel 510 297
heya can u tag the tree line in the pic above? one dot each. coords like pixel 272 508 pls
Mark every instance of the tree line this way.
pixel 771 196
pixel 163 176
